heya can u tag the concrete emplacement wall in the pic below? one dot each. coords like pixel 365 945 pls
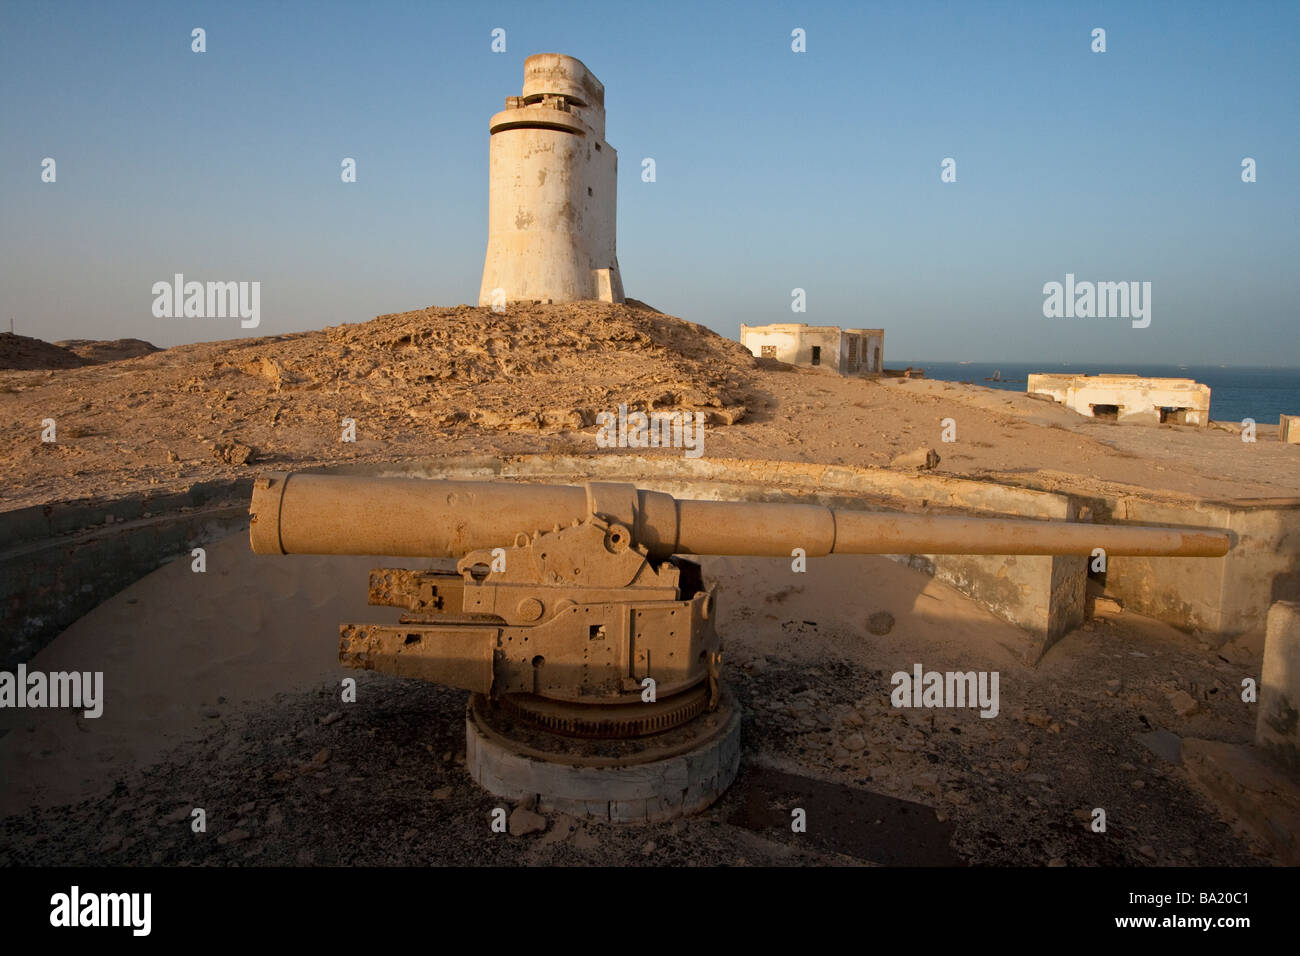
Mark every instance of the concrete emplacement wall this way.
pixel 61 560
pixel 1221 598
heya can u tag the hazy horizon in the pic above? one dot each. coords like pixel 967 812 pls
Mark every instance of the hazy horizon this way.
pixel 775 170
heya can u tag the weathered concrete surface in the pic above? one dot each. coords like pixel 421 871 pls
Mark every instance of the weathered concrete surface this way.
pixel 1222 598
pixel 652 791
pixel 1128 398
pixel 1250 792
pixel 1278 729
pixel 1288 429
pixel 552 191
pixel 61 560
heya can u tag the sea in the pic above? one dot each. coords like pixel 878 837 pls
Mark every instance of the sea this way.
pixel 1239 392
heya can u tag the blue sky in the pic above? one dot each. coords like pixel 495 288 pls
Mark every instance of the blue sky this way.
pixel 775 170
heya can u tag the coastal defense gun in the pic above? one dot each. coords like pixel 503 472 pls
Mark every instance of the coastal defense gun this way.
pixel 578 621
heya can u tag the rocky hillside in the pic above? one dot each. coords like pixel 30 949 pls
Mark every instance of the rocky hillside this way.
pixel 415 383
pixel 25 353
pixel 542 367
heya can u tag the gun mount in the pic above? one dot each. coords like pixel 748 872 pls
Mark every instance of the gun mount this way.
pixel 582 630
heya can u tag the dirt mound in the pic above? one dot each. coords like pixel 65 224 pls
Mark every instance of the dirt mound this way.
pixel 97 352
pixel 540 367
pixel 530 379
pixel 25 353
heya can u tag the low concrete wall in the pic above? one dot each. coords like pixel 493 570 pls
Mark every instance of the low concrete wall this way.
pixel 1221 598
pixel 1277 729
pixel 61 560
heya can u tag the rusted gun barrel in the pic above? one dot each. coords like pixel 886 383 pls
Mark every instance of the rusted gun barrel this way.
pixel 330 514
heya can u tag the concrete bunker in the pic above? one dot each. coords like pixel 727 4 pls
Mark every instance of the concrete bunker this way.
pixel 846 351
pixel 1129 399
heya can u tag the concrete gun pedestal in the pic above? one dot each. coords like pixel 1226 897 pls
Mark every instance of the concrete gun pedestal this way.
pixel 651 780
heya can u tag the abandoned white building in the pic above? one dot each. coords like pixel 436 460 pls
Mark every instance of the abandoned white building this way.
pixel 846 351
pixel 1128 398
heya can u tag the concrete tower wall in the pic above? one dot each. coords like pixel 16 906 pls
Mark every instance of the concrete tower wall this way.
pixel 553 182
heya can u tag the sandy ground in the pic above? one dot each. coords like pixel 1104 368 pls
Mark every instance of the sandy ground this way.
pixel 229 700
pixel 451 382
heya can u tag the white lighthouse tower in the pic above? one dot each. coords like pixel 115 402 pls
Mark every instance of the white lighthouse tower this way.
pixel 552 189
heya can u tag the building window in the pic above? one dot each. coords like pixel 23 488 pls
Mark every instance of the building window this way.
pixel 769 351
pixel 817 355
pixel 853 353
